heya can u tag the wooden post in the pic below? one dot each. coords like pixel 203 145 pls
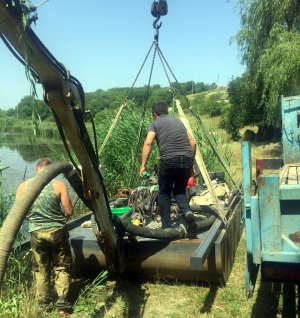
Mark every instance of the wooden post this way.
pixel 200 162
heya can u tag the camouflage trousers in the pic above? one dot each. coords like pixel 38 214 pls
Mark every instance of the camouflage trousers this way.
pixel 51 249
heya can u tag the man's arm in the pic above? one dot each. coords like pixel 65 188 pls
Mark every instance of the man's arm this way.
pixel 192 143
pixel 146 150
pixel 61 189
pixel 20 189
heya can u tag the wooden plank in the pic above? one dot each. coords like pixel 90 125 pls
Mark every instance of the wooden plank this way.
pixel 292 175
pixel 284 175
pixel 200 162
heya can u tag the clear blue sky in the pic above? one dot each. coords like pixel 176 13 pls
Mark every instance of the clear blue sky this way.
pixel 103 44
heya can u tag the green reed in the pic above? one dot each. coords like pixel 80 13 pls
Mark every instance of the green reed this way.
pixel 13 125
pixel 121 150
pixel 210 158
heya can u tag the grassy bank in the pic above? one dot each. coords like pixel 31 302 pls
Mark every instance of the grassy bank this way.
pixel 123 298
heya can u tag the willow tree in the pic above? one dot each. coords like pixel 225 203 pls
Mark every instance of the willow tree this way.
pixel 269 47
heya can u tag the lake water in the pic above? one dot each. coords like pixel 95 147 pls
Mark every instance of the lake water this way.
pixel 19 154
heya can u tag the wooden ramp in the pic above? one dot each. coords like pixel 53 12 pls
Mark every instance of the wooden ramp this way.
pixel 290 174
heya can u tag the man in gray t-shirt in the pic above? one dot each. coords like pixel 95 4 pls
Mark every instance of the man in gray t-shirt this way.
pixel 177 152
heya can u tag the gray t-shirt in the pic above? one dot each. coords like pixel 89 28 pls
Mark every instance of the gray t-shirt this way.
pixel 171 137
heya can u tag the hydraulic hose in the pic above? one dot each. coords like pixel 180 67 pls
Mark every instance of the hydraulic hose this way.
pixel 14 219
pixel 127 214
pixel 205 224
pixel 205 209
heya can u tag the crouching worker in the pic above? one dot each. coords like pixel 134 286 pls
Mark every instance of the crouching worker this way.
pixel 49 241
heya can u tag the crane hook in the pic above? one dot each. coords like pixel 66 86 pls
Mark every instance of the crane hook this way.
pixel 155 26
pixel 157 10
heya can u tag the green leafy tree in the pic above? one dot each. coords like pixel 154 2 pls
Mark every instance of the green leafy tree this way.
pixel 188 87
pixel 198 104
pixel 2 113
pixel 199 87
pixel 269 48
pixel 163 95
pixel 211 105
pixel 44 110
pixel 214 105
pixel 139 94
pixel 11 112
pixel 24 107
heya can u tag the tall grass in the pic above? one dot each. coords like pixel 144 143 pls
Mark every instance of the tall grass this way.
pixel 13 125
pixel 210 158
pixel 212 162
pixel 17 283
pixel 6 202
pixel 87 302
pixel 121 149
pixel 18 290
pixel 17 296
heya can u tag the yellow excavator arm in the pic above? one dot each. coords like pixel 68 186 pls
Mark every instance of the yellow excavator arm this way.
pixel 207 254
pixel 64 94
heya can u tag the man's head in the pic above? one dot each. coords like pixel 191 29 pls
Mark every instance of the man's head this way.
pixel 42 163
pixel 159 109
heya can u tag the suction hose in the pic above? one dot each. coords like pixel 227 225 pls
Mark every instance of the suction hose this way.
pixel 170 234
pixel 205 224
pixel 14 219
pixel 166 234
pixel 204 208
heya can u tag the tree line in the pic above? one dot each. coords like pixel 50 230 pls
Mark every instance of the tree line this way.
pixel 269 47
pixel 113 98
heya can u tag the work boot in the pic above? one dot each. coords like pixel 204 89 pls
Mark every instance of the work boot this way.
pixel 181 229
pixel 191 225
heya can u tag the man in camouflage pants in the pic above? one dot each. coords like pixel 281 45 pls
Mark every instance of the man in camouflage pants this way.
pixel 49 241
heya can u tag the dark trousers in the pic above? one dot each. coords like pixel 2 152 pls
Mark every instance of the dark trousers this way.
pixel 173 173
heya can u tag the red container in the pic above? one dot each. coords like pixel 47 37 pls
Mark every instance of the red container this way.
pixel 191 182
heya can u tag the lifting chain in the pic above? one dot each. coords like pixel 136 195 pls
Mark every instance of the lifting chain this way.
pixel 138 74
pixel 142 120
pixel 164 62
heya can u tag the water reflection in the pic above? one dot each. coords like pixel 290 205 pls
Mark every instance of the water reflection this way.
pixel 20 152
pixel 31 148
